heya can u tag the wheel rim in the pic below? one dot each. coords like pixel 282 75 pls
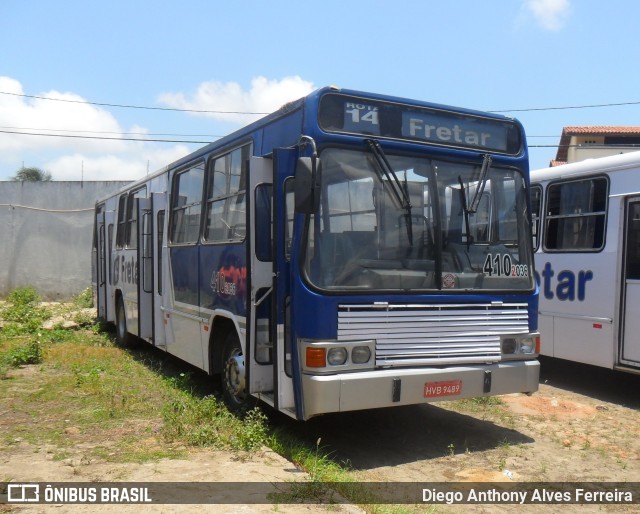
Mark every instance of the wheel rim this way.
pixel 234 376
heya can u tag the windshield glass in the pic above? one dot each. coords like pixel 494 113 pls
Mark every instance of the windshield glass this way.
pixel 363 237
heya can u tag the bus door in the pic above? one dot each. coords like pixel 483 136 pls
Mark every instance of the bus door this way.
pixel 145 269
pixel 109 223
pixel 261 298
pixel 630 344
pixel 159 206
pixel 282 333
pixel 101 263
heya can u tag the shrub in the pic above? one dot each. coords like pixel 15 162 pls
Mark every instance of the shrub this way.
pixel 85 299
pixel 22 308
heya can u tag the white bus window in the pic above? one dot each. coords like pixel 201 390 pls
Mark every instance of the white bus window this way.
pixel 289 195
pixel 633 242
pixel 132 217
pixel 576 215
pixel 186 205
pixel 122 221
pixel 226 198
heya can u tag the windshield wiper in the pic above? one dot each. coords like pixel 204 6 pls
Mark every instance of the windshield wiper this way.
pixel 400 193
pixel 465 208
pixel 482 182
pixel 473 207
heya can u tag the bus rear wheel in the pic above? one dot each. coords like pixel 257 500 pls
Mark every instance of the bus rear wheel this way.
pixel 234 390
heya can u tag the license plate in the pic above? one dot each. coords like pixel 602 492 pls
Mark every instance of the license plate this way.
pixel 445 388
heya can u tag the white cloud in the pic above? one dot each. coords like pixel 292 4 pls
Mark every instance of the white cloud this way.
pixel 113 167
pixel 264 96
pixel 73 158
pixel 37 115
pixel 65 157
pixel 550 14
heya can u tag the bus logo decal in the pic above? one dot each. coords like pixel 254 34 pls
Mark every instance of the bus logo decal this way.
pixel 568 285
pixel 229 281
pixel 125 270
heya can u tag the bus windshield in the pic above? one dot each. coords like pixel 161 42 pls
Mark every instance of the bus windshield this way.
pixel 420 224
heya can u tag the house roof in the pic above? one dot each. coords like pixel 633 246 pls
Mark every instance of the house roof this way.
pixel 595 130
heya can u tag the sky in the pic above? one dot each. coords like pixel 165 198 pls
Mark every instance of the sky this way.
pixel 105 90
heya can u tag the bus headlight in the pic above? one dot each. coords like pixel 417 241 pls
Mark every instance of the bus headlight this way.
pixel 518 347
pixel 527 345
pixel 361 354
pixel 509 345
pixel 337 356
pixel 325 357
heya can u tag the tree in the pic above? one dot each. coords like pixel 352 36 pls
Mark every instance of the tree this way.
pixel 32 175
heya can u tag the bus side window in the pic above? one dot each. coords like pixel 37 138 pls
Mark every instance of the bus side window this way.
pixel 289 215
pixel 186 205
pixel 226 197
pixel 132 217
pixel 109 248
pixel 122 221
pixel 576 215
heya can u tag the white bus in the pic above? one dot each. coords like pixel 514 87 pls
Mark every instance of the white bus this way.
pixel 586 233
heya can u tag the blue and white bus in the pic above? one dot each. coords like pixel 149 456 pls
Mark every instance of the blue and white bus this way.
pixel 349 251
pixel 587 240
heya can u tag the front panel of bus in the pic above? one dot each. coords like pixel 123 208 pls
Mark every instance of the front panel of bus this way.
pixel 411 263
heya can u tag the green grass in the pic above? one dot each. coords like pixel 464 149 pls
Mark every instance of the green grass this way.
pixel 71 388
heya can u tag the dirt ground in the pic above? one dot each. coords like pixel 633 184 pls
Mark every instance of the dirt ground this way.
pixel 582 426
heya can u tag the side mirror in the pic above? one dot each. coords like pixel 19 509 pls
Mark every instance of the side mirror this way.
pixel 307 194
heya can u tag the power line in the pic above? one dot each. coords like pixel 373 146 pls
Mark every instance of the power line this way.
pixel 145 140
pixel 205 142
pixel 164 133
pixel 125 106
pixel 175 109
pixel 214 136
pixel 566 107
pixel 28 207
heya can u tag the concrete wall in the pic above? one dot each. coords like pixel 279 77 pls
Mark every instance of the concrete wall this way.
pixel 593 147
pixel 46 235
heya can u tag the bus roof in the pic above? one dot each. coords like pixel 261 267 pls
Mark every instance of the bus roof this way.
pixel 312 99
pixel 608 164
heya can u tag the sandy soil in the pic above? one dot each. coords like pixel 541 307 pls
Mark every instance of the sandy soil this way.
pixel 582 426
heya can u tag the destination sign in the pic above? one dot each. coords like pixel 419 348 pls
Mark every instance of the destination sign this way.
pixel 352 115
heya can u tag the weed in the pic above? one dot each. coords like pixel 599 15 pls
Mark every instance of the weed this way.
pixel 451 449
pixel 182 381
pixel 252 433
pixel 84 300
pixel 206 422
pixel 21 354
pixel 505 444
pixel 24 296
pixel 23 311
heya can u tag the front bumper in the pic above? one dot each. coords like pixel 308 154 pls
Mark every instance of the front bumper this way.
pixel 394 387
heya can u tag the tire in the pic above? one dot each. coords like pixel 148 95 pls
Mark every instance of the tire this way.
pixel 123 337
pixel 234 390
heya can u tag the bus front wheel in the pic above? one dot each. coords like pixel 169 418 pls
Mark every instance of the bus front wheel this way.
pixel 234 391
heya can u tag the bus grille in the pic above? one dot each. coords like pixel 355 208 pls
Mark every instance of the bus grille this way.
pixel 411 335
